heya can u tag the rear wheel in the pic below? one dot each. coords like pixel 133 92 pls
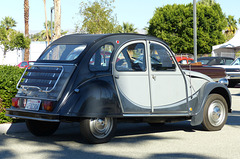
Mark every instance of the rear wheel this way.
pixel 214 113
pixel 42 128
pixel 98 130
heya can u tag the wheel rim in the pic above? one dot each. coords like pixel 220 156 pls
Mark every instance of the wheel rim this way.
pixel 101 127
pixel 216 113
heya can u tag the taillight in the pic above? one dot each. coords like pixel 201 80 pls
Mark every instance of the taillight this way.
pixel 15 102
pixel 47 105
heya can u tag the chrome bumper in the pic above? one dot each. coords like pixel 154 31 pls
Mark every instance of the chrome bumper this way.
pixel 23 114
pixel 233 75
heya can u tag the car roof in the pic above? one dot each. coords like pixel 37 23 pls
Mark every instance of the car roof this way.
pixel 92 38
pixel 93 41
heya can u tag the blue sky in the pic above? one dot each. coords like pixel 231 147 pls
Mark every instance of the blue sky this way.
pixel 137 12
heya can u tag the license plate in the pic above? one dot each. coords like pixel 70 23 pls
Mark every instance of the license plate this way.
pixel 33 104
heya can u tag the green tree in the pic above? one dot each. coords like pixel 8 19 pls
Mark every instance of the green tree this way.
pixel 11 39
pixel 97 17
pixel 232 24
pixel 207 2
pixel 174 24
pixel 231 27
pixel 8 22
pixel 126 28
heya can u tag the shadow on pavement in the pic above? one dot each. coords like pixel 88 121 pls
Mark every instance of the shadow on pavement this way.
pixel 127 133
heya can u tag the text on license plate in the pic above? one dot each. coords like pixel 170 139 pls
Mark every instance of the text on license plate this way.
pixel 33 104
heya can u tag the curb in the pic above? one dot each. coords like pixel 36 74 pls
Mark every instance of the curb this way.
pixel 11 128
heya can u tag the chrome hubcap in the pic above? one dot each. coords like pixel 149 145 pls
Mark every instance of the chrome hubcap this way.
pixel 216 113
pixel 101 127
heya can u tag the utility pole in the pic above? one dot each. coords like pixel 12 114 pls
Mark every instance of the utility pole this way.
pixel 44 1
pixel 195 30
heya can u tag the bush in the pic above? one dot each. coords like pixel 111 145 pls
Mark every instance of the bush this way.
pixel 9 76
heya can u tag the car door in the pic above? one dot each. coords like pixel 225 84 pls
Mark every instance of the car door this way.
pixel 167 83
pixel 131 77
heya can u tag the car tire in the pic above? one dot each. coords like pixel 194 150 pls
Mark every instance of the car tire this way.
pixel 42 128
pixel 98 130
pixel 215 113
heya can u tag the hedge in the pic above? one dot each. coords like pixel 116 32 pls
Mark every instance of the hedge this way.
pixel 9 76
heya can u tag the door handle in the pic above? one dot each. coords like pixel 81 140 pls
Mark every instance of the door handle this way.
pixel 154 77
pixel 117 77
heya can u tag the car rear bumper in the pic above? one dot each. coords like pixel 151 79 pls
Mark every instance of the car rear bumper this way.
pixel 23 114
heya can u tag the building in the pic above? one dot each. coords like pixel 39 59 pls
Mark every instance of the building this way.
pixel 16 56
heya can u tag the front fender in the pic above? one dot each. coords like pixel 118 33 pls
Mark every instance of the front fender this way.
pixel 95 98
pixel 205 90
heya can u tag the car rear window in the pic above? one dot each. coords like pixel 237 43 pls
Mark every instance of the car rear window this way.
pixel 62 52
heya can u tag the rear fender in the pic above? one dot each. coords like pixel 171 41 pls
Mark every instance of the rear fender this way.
pixel 94 99
pixel 205 90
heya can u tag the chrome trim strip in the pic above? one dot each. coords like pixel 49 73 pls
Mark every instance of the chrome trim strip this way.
pixel 157 115
pixel 56 64
pixel 39 98
pixel 31 118
pixel 26 114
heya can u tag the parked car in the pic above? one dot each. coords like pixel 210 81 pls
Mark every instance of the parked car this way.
pixel 215 60
pixel 25 64
pixel 233 72
pixel 216 73
pixel 184 60
pixel 86 88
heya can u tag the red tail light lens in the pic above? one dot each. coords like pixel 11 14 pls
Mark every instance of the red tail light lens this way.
pixel 15 102
pixel 48 105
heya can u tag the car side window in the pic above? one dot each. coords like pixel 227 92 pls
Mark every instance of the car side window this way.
pixel 222 62
pixel 132 58
pixel 228 61
pixel 160 58
pixel 100 59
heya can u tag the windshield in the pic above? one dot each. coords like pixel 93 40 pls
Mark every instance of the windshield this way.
pixel 63 52
pixel 236 62
pixel 204 61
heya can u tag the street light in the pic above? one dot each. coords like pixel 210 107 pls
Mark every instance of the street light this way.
pixel 194 30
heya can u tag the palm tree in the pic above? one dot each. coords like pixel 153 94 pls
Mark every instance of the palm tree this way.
pixel 232 25
pixel 129 28
pixel 57 19
pixel 8 22
pixel 26 20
